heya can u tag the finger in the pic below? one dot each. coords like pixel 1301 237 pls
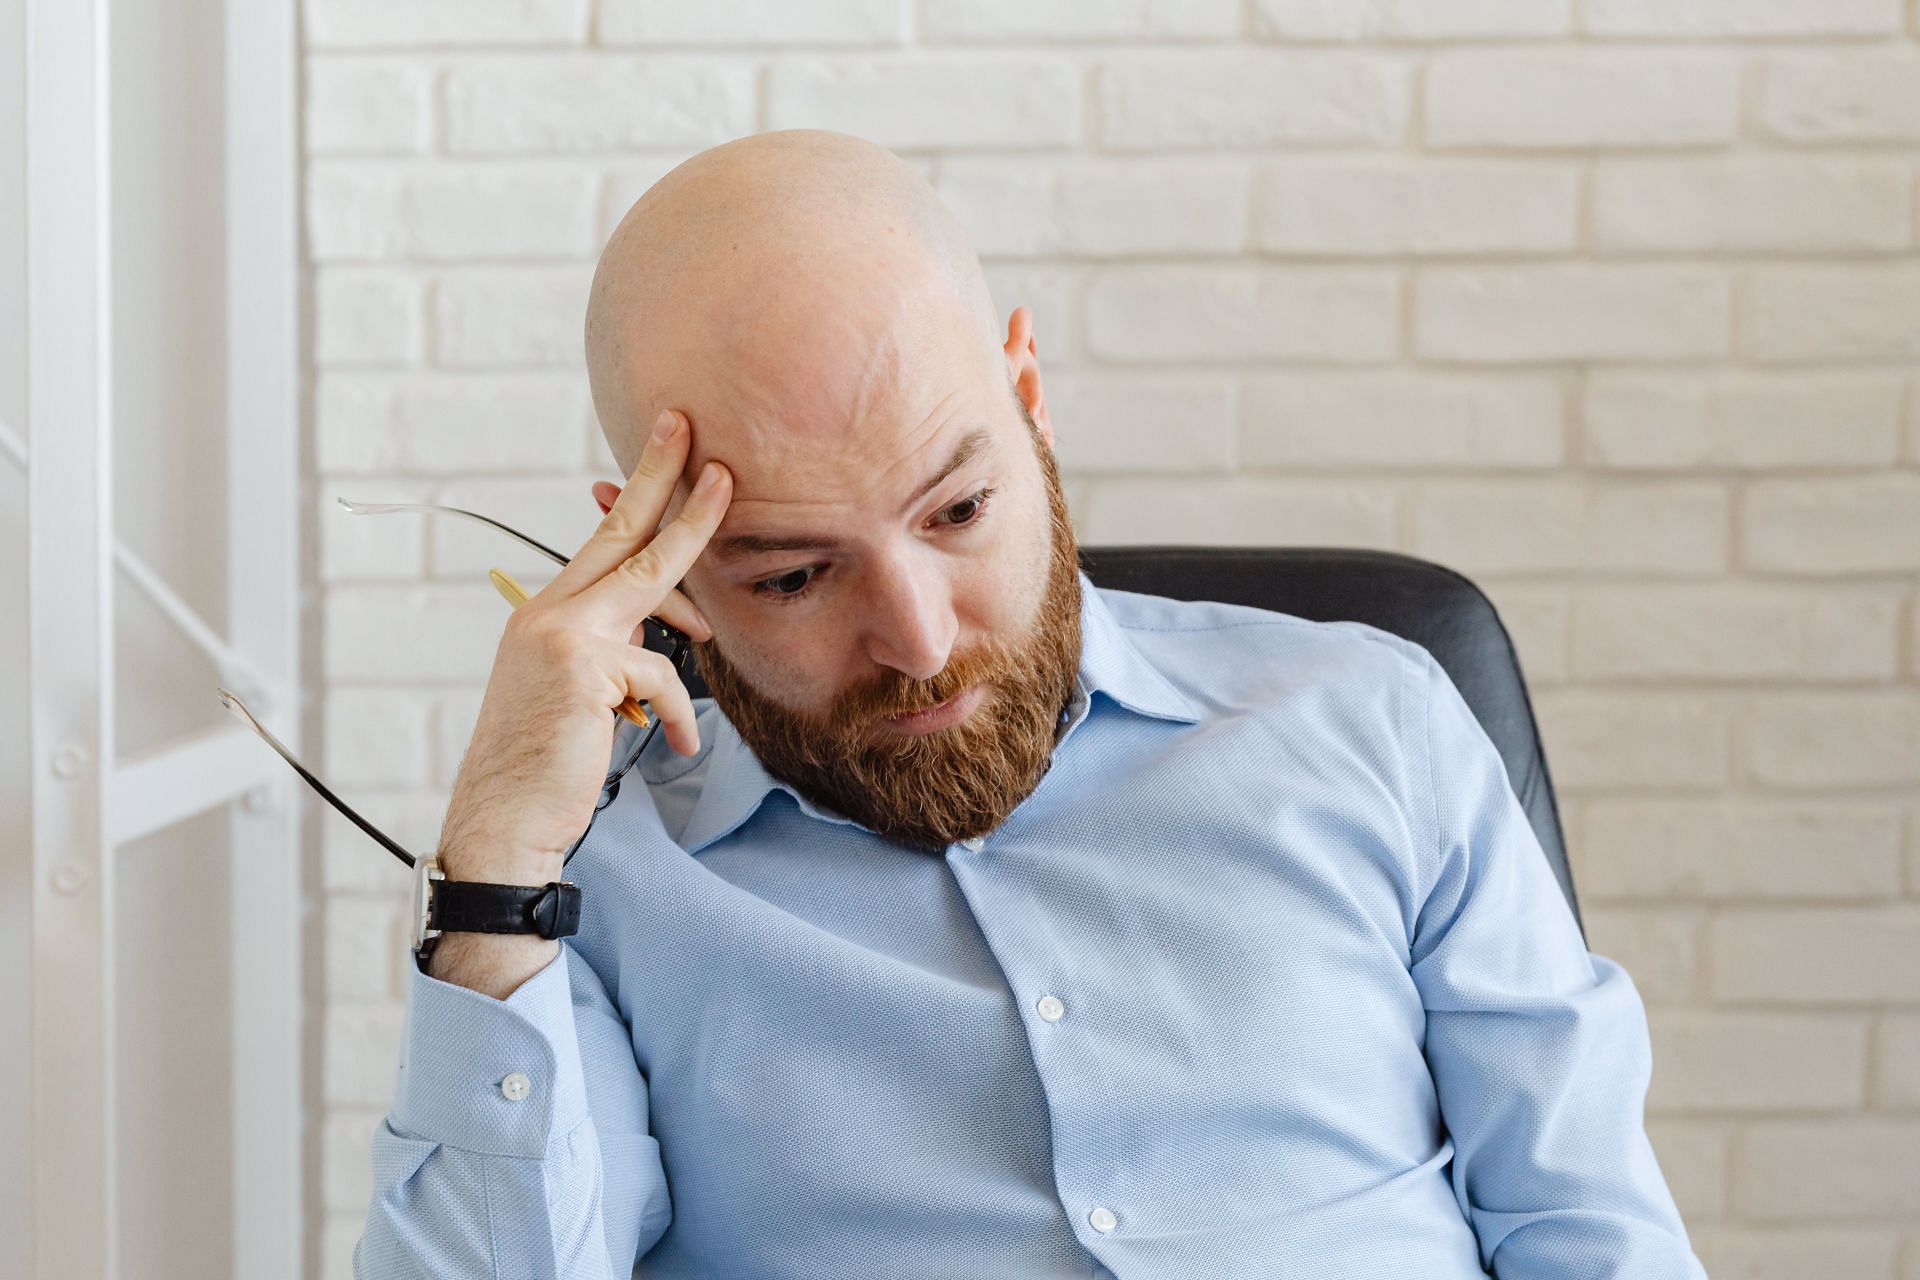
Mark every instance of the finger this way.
pixel 651 678
pixel 644 578
pixel 635 512
pixel 678 611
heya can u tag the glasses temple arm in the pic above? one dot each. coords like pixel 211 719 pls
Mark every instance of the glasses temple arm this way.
pixel 239 709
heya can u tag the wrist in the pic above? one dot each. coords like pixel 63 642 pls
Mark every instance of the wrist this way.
pixel 496 865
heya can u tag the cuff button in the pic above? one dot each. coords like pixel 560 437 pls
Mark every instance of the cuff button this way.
pixel 516 1086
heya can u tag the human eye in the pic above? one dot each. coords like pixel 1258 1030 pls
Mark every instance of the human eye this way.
pixel 975 505
pixel 797 584
pixel 770 589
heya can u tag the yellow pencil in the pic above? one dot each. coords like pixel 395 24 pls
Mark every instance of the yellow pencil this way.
pixel 516 595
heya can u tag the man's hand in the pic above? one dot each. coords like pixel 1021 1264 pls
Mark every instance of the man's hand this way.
pixel 534 767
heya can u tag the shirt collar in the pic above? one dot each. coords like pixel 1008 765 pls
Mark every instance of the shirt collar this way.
pixel 1110 664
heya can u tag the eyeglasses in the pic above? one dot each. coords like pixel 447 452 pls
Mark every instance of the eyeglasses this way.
pixel 678 645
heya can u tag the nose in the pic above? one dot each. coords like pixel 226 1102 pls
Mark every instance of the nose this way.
pixel 910 622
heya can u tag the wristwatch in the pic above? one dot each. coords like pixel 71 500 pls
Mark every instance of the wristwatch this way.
pixel 440 905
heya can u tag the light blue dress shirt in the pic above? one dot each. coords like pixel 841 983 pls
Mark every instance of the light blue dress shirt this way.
pixel 1268 977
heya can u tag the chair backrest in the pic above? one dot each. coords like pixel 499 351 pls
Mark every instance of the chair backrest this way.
pixel 1424 602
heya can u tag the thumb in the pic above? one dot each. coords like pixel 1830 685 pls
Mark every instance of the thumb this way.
pixel 605 494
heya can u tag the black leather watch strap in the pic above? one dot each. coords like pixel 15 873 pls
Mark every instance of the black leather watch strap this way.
pixel 550 910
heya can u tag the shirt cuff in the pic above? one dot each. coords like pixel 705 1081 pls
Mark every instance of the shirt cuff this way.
pixel 499 1077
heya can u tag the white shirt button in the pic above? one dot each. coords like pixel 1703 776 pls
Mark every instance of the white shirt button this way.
pixel 516 1086
pixel 974 843
pixel 1102 1219
pixel 1050 1008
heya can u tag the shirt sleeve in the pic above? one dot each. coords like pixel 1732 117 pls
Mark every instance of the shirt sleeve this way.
pixel 517 1141
pixel 1538 1048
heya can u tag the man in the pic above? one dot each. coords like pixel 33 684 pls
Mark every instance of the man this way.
pixel 985 924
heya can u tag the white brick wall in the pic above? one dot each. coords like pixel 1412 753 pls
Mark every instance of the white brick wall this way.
pixel 1613 305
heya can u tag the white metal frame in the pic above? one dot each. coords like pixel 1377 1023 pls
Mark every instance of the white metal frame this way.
pixel 85 801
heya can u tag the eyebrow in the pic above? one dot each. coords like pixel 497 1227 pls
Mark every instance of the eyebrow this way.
pixel 738 546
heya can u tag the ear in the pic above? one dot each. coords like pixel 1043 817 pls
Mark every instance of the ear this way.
pixel 605 494
pixel 1023 364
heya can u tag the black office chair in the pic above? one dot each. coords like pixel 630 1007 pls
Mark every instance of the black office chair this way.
pixel 1430 605
pixel 1424 602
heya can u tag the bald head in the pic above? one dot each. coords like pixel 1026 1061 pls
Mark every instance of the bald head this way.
pixel 779 289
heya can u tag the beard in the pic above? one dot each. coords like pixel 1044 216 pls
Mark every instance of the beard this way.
pixel 929 790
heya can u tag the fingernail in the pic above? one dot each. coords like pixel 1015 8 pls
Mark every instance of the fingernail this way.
pixel 666 426
pixel 709 477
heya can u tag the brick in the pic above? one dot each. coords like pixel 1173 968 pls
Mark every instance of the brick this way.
pixel 1745 422
pixel 1913 854
pixel 1735 631
pixel 1550 98
pixel 339 1235
pixel 1913 392
pixel 1597 740
pixel 595 102
pixel 1659 949
pixel 765 22
pixel 559 512
pixel 367 105
pixel 932 100
pixel 365 549
pixel 1863 739
pixel 1869 524
pixel 1693 1158
pixel 1896 1072
pixel 360 23
pixel 1022 207
pixel 1713 1061
pixel 1851 96
pixel 624 184
pixel 1237 512
pixel 369 211
pixel 1401 419
pixel 365 940
pixel 367 317
pixel 352 862
pixel 1829 1170
pixel 1536 618
pixel 1727 849
pixel 1749 204
pixel 1407 207
pixel 1573 311
pixel 1242 312
pixel 440 423
pixel 346 1160
pixel 1053 291
pixel 1021 20
pixel 376 736
pixel 527 316
pixel 428 635
pixel 1711 18
pixel 1410 19
pixel 361 1053
pixel 1540 526
pixel 1832 313
pixel 1913 630
pixel 1794 1253
pixel 1105 422
pixel 1245 98
pixel 1853 956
